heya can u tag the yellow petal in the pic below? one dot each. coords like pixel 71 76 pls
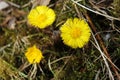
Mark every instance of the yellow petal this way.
pixel 75 32
pixel 41 17
pixel 34 55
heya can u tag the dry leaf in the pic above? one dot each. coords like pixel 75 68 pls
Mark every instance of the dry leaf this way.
pixel 40 2
pixel 18 13
pixel 5 21
pixel 3 5
pixel 11 23
pixel 44 2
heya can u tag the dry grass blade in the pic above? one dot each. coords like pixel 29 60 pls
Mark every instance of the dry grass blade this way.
pixel 60 59
pixel 101 42
pixel 104 58
pixel 106 54
pixel 105 15
pixel 34 71
pixel 13 4
pixel 7 71
pixel 98 60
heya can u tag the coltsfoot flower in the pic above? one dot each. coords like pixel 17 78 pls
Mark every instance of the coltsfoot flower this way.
pixel 34 55
pixel 75 33
pixel 41 16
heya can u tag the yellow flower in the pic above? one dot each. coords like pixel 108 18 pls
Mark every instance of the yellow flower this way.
pixel 41 16
pixel 33 54
pixel 75 33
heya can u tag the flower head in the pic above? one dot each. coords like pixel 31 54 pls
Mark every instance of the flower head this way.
pixel 33 54
pixel 41 16
pixel 75 33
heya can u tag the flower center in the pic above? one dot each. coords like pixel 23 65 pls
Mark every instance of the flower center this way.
pixel 75 33
pixel 42 17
